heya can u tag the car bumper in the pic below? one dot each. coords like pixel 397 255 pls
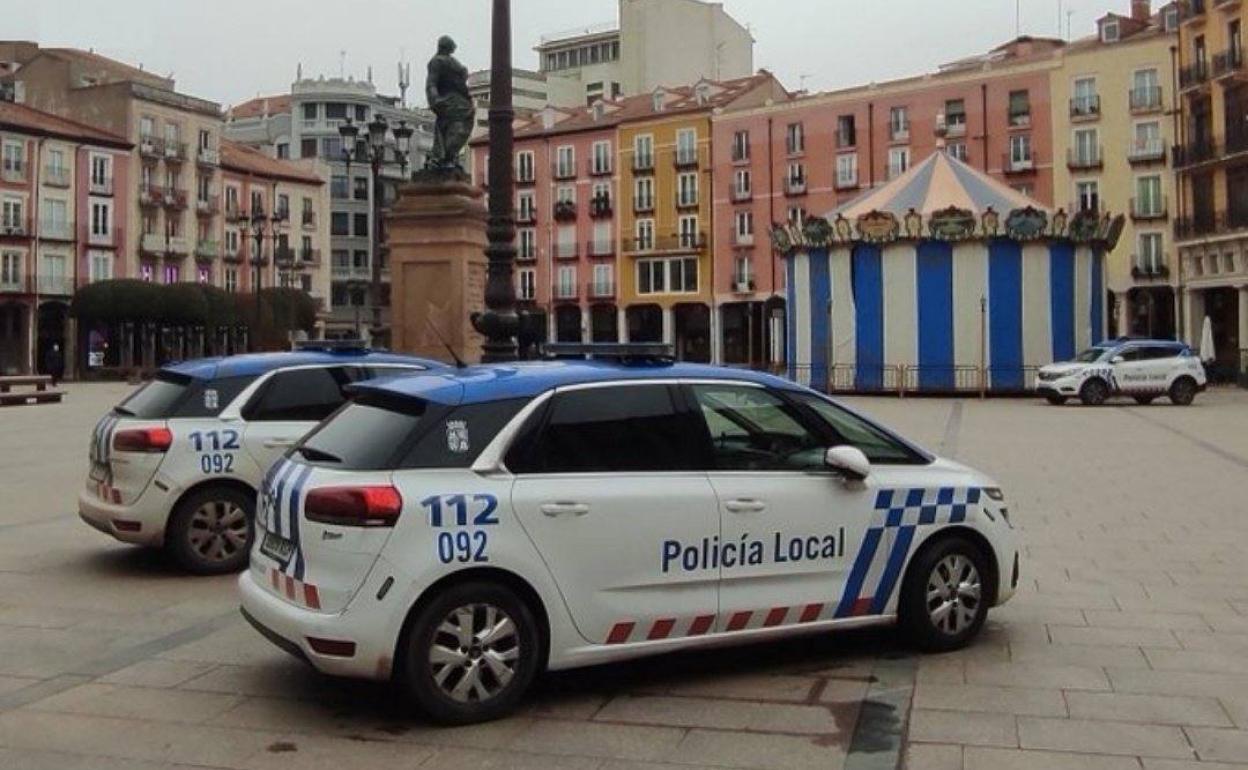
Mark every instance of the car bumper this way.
pixel 301 631
pixel 1066 389
pixel 141 523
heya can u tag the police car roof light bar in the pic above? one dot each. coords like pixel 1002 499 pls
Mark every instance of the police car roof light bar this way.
pixel 332 346
pixel 630 352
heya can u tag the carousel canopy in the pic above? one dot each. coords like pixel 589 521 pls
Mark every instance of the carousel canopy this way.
pixel 938 183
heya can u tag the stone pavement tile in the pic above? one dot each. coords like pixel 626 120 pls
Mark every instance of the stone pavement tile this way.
pixel 158 673
pixel 1177 682
pixel 977 758
pixel 1009 614
pixel 10 683
pixel 562 705
pixel 1068 600
pixel 1186 764
pixel 744 686
pixel 1224 622
pixel 298 716
pixel 1081 655
pixel 1114 637
pixel 592 739
pixel 1220 745
pixel 1123 619
pixel 1098 737
pixel 238 645
pixel 623 764
pixel 1051 677
pixel 993 700
pixel 47 652
pixel 1236 706
pixel 1213 641
pixel 146 703
pixel 306 752
pixel 1205 607
pixel 1197 660
pixel 1149 709
pixel 932 756
pixel 32 759
pixel 487 736
pixel 757 750
pixel 959 727
pixel 285 679
pixel 937 669
pixel 129 738
pixel 719 714
pixel 844 691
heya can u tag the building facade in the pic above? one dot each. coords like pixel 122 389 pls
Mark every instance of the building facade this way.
pixel 1212 162
pixel 304 126
pixel 1112 115
pixel 61 226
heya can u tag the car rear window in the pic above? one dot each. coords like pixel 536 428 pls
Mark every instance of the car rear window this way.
pixel 158 399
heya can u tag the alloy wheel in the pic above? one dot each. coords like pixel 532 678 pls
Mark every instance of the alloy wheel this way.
pixel 218 530
pixel 474 653
pixel 954 593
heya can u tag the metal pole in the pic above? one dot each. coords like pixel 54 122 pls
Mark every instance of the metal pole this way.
pixel 500 322
pixel 377 331
pixel 983 346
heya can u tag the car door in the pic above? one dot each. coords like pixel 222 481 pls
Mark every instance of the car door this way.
pixel 609 490
pixel 1130 370
pixel 791 527
pixel 288 405
pixel 1159 363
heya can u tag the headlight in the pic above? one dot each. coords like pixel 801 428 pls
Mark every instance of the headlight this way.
pixel 994 493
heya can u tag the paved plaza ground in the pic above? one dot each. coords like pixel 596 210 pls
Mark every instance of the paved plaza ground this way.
pixel 1127 646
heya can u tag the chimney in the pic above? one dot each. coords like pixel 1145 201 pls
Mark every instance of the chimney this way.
pixel 1141 10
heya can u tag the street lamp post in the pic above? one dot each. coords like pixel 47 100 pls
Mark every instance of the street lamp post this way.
pixel 372 151
pixel 254 226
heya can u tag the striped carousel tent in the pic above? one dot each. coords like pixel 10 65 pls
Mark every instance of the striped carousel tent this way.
pixel 944 279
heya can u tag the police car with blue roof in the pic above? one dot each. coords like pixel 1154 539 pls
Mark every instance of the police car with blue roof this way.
pixel 178 463
pixel 463 530
pixel 1142 369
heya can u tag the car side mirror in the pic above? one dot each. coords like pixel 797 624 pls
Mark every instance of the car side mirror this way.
pixel 1117 360
pixel 848 461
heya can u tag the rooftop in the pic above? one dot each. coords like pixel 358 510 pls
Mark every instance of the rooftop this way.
pixel 262 106
pixel 241 158
pixel 19 117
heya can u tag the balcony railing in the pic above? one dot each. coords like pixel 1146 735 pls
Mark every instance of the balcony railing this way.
pixel 1198 151
pixel 100 185
pixel 58 285
pixel 1145 99
pixel 743 240
pixel 151 195
pixel 1013 165
pixel 56 176
pixel 526 216
pixel 565 211
pixel 685 157
pixel 1210 223
pixel 15 227
pixel 1228 62
pixel 1236 140
pixel 308 219
pixel 899 133
pixel 642 163
pixel 567 250
pixel 600 207
pixel 152 243
pixel 1084 158
pixel 1148 209
pixel 1194 74
pixel 741 195
pixel 895 170
pixel 207 208
pixel 600 247
pixel 1085 106
pixel 601 289
pixel 846 181
pixel 1193 9
pixel 207 250
pixel 795 186
pixel 678 242
pixel 743 282
pixel 309 257
pixel 1019 119
pixel 177 246
pixel 563 170
pixel 566 291
pixel 1149 267
pixel 846 139
pixel 175 199
pixel 208 156
pixel 1146 150
pixel 107 237
pixel 56 229
pixel 151 147
pixel 600 167
pixel 175 151
pixel 955 129
pixel 687 200
pixel 643 205
pixel 525 255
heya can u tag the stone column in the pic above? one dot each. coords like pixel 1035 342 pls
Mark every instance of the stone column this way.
pixel 1195 316
pixel 717 338
pixel 621 326
pixel 437 268
pixel 1124 313
pixel 669 326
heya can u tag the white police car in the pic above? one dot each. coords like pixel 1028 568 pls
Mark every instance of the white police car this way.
pixel 179 461
pixel 1139 368
pixel 461 531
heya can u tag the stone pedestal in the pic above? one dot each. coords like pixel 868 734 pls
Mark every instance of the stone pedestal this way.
pixel 436 234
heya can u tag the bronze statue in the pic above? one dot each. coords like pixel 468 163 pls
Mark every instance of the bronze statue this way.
pixel 447 91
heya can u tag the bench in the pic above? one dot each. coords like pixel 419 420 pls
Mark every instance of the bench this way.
pixel 40 395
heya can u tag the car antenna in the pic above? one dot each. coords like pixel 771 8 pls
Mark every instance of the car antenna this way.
pixel 459 362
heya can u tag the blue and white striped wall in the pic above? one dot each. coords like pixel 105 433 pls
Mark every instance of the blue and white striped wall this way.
pixel 871 307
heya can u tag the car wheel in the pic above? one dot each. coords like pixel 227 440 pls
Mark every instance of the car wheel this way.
pixel 471 654
pixel 210 531
pixel 1055 400
pixel 944 598
pixel 1094 392
pixel 1144 400
pixel 1183 391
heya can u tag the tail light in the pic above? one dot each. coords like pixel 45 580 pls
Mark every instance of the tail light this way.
pixel 143 440
pixel 354 506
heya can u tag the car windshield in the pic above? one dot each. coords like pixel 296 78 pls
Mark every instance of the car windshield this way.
pixel 1090 355
pixel 157 399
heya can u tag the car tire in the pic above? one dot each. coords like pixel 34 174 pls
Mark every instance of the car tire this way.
pixel 1144 400
pixel 1094 392
pixel 446 666
pixel 1055 400
pixel 1183 391
pixel 211 531
pixel 954 573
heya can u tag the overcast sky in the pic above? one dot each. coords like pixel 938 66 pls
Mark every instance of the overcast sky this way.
pixel 231 50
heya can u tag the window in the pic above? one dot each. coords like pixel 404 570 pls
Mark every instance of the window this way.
pixel 1020 151
pixel 899 124
pixel 527 240
pixel 524 166
pixel 1145 90
pixel 1020 108
pixel 1109 31
pixel 602 158
pixel 741 184
pixel 795 138
pixel 616 429
pixel 147 126
pixel 1085 101
pixel 752 429
pixel 743 273
pixel 957 150
pixel 283 207
pixel 283 150
pixel 359 188
pixel 360 228
pixel 741 146
pixel 846 135
pixel 335 111
pixel 675 275
pixel 643 151
pixel 898 161
pixel 565 282
pixel 101 219
pixel 302 395
pixel 1148 141
pixel 11 269
pixel 339 223
pixel 643 194
pixel 1087 196
pixel 1087 147
pixel 744 226
pixel 526 207
pixel 526 283
pixel 101 170
pixel 955 116
pixel 565 163
pixel 359 258
pixel 795 180
pixel 687 190
pixel 14 159
pixel 309 110
pixel 689 237
pixel 645 234
pixel 797 216
pixel 11 218
pixel 846 428
pixel 230 280
pixel 307 148
pixel 1148 199
pixel 565 194
pixel 847 170
pixel 686 146
pixel 331 148
pixel 100 266
pixel 1151 257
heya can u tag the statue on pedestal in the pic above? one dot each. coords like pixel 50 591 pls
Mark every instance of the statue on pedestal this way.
pixel 446 89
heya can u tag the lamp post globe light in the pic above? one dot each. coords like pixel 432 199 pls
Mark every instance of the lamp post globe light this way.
pixel 372 151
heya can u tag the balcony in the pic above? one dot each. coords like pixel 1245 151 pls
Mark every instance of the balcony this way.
pixel 743 282
pixel 1145 268
pixel 106 237
pixel 1012 165
pixel 600 167
pixel 567 291
pixel 308 219
pixel 284 256
pixel 643 163
pixel 1019 119
pixel 601 289
pixel 600 248
pixel 207 251
pixel 56 176
pixel 1146 151
pixel 1085 107
pixel 600 207
pixel 1145 99
pixel 151 147
pixel 524 176
pixel 795 186
pixel 150 195
pixel 177 246
pixel 526 215
pixel 56 285
pixel 567 250
pixel 687 200
pixel 1193 10
pixel 309 257
pixel 15 227
pixel 565 211
pixel 233 213
pixel 846 181
pixel 894 170
pixel 742 240
pixel 152 244
pixel 175 152
pixel 1199 151
pixel 175 199
pixel 846 139
pixel 207 208
pixel 100 185
pixel 686 157
pixel 682 242
pixel 1084 159
pixel 643 205
pixel 56 230
pixel 1210 223
pixel 955 129
pixel 1149 209
pixel 740 195
pixel 14 284
pixel 1193 75
pixel 1228 63
pixel 208 156
pixel 564 170
pixel 899 133
pixel 232 254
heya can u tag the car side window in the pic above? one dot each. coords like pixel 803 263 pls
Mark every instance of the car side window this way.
pixel 1130 355
pixel 624 428
pixel 752 429
pixel 1159 352
pixel 299 395
pixel 847 428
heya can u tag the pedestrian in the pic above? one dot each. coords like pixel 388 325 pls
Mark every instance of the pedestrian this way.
pixel 54 363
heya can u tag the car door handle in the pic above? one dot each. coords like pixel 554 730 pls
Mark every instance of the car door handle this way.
pixel 565 509
pixel 276 443
pixel 746 505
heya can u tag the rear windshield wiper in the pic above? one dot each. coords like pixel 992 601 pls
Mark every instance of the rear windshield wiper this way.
pixel 317 456
pixel 123 411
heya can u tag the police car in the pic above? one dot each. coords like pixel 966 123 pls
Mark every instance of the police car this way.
pixel 463 530
pixel 1142 369
pixel 179 461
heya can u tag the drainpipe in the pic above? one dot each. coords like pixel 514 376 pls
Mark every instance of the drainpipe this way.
pixel 1180 197
pixel 32 330
pixel 983 98
pixel 870 145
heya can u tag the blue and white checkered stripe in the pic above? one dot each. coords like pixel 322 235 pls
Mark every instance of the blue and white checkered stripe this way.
pixel 102 438
pixel 280 502
pixel 886 546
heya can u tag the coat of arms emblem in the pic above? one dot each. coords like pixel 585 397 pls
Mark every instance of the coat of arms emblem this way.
pixel 457 436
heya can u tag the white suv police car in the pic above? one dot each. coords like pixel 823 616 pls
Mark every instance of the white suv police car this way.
pixel 1139 368
pixel 179 461
pixel 463 530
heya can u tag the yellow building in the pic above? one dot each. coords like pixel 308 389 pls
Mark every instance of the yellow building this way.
pixel 1212 164
pixel 665 254
pixel 1112 101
